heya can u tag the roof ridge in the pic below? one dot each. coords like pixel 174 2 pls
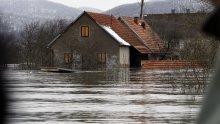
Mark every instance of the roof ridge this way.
pixel 88 12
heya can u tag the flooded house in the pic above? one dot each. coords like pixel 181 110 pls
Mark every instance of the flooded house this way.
pixel 97 40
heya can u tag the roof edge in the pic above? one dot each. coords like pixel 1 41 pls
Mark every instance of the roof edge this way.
pixel 126 44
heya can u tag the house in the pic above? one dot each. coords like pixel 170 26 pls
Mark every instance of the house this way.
pixel 176 29
pixel 187 24
pixel 96 40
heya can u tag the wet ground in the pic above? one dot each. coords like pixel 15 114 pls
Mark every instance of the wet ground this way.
pixel 116 96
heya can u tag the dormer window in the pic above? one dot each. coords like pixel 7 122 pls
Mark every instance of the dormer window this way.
pixel 84 31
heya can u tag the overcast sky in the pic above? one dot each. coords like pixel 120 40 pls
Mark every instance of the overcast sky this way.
pixel 99 4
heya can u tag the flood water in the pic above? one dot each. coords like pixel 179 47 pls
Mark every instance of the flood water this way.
pixel 116 96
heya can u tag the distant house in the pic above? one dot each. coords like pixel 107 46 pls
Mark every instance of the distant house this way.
pixel 96 40
pixel 186 24
pixel 176 29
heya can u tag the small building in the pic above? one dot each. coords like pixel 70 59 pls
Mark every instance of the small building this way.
pixel 96 40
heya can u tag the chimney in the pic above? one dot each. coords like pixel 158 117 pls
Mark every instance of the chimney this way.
pixel 136 20
pixel 173 11
pixel 187 10
pixel 143 25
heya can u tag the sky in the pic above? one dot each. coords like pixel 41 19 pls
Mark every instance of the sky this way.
pixel 98 4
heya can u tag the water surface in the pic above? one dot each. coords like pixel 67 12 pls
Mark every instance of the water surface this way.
pixel 116 96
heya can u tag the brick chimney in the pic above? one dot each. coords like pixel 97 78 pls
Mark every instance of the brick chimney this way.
pixel 173 11
pixel 136 20
pixel 143 25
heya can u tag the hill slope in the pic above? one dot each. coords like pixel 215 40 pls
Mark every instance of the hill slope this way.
pixel 159 7
pixel 90 9
pixel 18 12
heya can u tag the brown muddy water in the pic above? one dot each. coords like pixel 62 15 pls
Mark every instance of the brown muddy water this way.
pixel 117 96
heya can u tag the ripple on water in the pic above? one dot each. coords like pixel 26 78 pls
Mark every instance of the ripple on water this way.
pixel 119 96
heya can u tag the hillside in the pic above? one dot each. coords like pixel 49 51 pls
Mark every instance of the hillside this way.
pixel 18 12
pixel 90 9
pixel 160 7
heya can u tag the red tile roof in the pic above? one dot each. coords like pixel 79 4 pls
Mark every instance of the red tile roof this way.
pixel 123 31
pixel 170 64
pixel 146 35
pixel 148 43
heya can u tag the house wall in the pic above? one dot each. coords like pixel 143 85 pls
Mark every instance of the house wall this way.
pixel 124 56
pixel 85 49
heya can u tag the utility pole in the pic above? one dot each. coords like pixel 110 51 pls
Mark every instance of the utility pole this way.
pixel 142 7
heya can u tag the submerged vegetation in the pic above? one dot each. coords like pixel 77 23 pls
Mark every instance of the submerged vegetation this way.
pixel 34 40
pixel 29 46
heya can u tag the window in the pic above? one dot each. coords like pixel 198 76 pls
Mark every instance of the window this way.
pixel 101 58
pixel 68 58
pixel 85 31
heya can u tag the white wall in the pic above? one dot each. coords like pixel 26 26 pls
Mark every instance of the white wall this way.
pixel 124 56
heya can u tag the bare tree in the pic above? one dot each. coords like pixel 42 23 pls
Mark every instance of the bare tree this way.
pixel 206 1
pixel 35 37
pixel 9 48
pixel 28 37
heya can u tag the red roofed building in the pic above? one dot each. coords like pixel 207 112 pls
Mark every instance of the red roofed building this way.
pixel 98 40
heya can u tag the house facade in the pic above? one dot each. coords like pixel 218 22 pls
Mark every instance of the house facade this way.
pixel 101 41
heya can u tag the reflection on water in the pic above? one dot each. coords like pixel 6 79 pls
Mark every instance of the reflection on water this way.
pixel 108 97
